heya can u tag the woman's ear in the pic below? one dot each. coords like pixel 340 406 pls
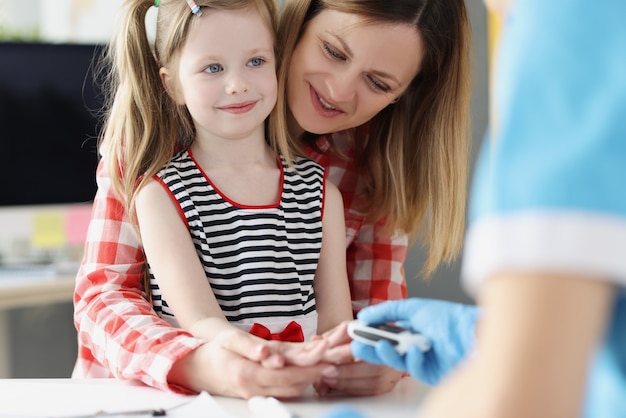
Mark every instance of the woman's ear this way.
pixel 169 84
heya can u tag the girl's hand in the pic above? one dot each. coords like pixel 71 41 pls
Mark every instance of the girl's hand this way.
pixel 296 354
pixel 230 365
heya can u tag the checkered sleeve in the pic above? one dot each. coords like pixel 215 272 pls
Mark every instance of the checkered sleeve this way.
pixel 374 259
pixel 376 266
pixel 119 335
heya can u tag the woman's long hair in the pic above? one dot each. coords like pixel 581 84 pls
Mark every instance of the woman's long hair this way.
pixel 413 155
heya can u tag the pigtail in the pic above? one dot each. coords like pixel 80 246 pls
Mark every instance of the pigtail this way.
pixel 139 133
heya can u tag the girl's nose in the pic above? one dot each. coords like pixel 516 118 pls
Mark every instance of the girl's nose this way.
pixel 236 84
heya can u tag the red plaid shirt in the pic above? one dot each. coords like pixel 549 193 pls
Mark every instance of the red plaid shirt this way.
pixel 120 336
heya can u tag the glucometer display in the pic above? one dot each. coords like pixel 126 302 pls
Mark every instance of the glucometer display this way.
pixel 374 337
pixel 402 339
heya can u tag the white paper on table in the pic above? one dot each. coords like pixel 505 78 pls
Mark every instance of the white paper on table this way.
pixel 66 398
pixel 203 406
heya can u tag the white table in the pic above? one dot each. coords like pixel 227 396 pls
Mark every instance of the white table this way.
pixel 24 290
pixel 402 402
pixel 67 397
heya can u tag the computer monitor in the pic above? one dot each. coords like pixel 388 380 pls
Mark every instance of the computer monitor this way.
pixel 48 123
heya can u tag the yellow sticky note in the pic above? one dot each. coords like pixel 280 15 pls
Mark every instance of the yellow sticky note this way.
pixel 48 229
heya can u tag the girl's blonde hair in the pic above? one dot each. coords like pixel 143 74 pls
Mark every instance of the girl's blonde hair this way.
pixel 413 154
pixel 144 127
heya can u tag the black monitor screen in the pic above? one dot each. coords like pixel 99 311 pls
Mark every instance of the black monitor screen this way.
pixel 48 123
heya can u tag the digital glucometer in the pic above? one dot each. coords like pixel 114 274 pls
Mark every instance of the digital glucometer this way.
pixel 401 338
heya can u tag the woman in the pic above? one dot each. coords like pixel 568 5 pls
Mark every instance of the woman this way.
pixel 378 93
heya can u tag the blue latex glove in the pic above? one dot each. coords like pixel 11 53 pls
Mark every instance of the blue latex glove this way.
pixel 449 326
pixel 343 411
pixel 606 388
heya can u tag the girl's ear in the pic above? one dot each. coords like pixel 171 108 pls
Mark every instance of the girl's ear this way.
pixel 169 84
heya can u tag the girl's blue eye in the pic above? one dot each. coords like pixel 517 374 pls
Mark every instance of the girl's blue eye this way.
pixel 214 68
pixel 256 62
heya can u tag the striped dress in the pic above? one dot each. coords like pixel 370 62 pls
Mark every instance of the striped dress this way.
pixel 259 261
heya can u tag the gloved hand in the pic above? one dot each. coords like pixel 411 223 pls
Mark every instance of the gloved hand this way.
pixel 343 411
pixel 606 384
pixel 449 326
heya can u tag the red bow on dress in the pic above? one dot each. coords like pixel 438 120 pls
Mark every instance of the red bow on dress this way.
pixel 292 333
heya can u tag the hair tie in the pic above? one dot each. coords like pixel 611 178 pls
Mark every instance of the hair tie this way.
pixel 195 9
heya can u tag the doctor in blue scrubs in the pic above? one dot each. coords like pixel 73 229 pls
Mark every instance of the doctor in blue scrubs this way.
pixel 545 252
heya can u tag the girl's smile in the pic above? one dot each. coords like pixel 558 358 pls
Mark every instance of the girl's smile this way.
pixel 239 108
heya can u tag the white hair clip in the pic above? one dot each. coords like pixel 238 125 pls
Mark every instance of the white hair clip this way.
pixel 195 9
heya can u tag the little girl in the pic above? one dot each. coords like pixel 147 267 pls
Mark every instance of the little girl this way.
pixel 237 231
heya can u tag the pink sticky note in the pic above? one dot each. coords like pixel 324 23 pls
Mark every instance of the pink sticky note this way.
pixel 76 223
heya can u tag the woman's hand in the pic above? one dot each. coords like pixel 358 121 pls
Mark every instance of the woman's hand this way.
pixel 231 365
pixel 355 377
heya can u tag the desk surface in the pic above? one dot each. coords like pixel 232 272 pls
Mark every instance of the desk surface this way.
pixel 70 397
pixel 402 402
pixel 21 290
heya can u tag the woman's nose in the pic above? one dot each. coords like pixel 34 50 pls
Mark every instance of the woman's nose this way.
pixel 342 87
